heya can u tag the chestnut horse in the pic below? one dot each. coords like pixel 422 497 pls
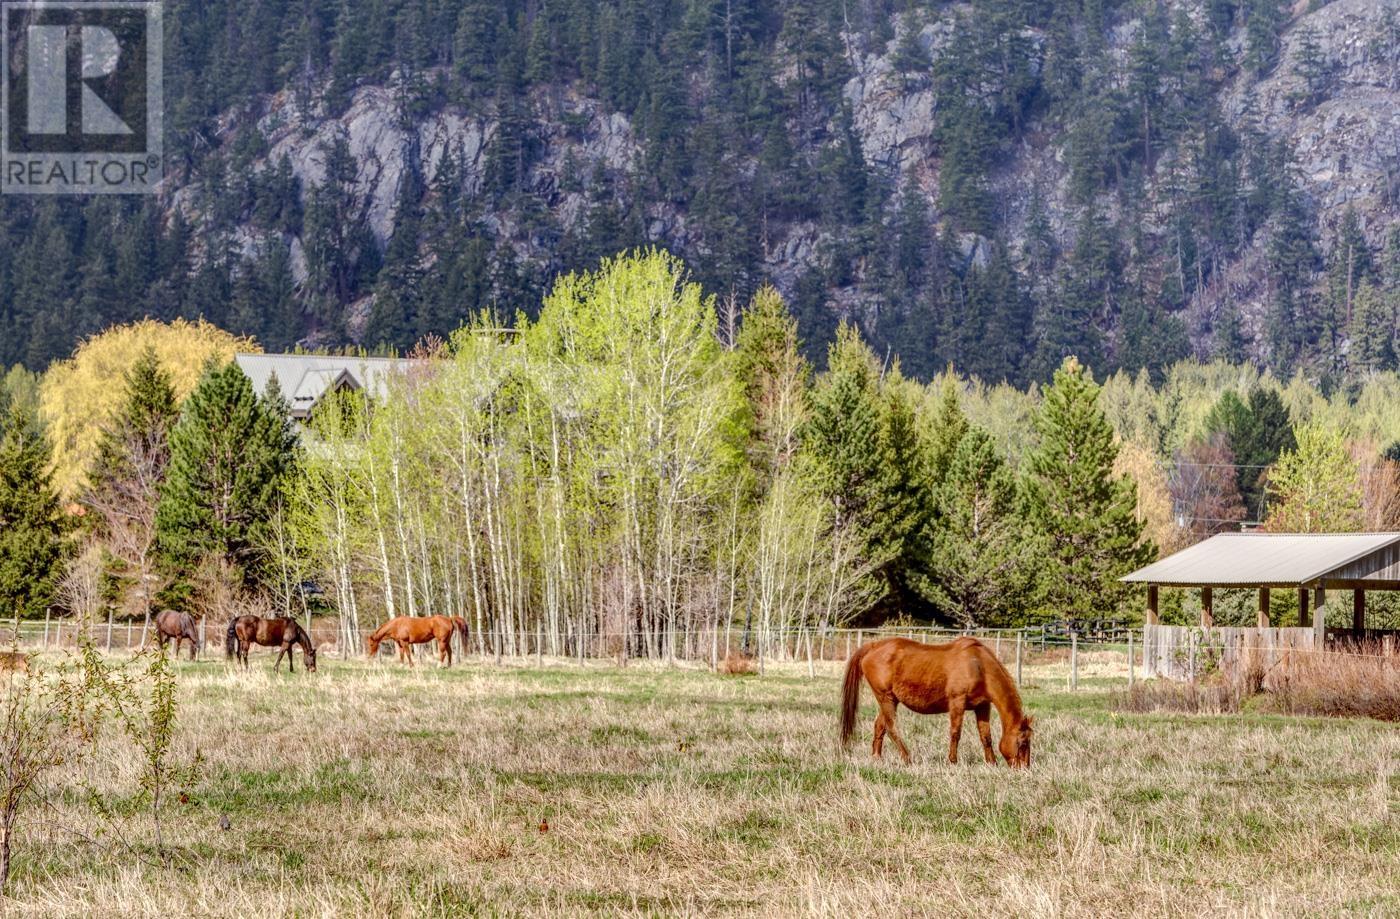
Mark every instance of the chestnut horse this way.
pixel 932 679
pixel 179 626
pixel 406 631
pixel 279 633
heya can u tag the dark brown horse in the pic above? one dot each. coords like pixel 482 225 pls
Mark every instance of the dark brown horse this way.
pixel 406 631
pixel 931 679
pixel 179 626
pixel 280 633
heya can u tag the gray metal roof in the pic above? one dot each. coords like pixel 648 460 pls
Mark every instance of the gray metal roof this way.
pixel 306 378
pixel 1262 559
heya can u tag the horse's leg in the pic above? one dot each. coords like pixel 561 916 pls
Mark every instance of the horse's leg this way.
pixel 277 664
pixel 984 731
pixel 957 708
pixel 888 706
pixel 877 746
pixel 291 658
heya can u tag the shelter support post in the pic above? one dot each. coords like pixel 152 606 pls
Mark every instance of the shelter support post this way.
pixel 1152 604
pixel 1319 622
pixel 1207 608
pixel 1263 622
pixel 1358 609
pixel 1304 619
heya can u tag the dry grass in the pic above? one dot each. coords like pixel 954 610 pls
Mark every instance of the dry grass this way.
pixel 372 790
pixel 737 664
pixel 1363 685
pixel 1333 684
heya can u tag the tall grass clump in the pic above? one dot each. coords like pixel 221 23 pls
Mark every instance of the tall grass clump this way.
pixel 1360 683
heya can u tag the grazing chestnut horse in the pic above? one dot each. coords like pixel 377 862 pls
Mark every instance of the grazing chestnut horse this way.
pixel 931 679
pixel 406 631
pixel 280 633
pixel 179 626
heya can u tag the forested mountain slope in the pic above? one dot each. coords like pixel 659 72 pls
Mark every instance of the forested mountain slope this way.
pixel 991 184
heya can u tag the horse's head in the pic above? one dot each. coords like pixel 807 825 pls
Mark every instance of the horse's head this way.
pixel 373 645
pixel 310 658
pixel 1016 744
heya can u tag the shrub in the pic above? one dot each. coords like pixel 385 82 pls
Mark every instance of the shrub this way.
pixel 738 664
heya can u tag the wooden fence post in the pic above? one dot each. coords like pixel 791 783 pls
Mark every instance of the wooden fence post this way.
pixel 1073 661
pixel 1020 634
pixel 201 634
pixel 108 647
pixel 1191 653
pixel 1130 658
pixel 46 628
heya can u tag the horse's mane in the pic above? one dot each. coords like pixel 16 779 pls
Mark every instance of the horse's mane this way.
pixel 998 674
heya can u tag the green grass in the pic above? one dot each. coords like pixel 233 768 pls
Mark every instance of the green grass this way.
pixel 382 791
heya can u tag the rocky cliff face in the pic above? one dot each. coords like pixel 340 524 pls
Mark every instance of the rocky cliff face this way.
pixel 1334 95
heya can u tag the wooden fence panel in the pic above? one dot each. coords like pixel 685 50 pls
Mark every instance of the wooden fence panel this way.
pixel 1170 651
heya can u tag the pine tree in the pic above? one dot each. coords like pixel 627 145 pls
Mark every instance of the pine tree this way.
pixel 141 430
pixel 230 455
pixel 843 429
pixel 903 506
pixel 1229 343
pixel 982 553
pixel 869 463
pixel 946 428
pixel 1258 431
pixel 769 365
pixel 32 523
pixel 1372 330
pixel 128 471
pixel 1084 511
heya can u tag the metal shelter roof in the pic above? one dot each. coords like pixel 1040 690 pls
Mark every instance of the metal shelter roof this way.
pixel 306 378
pixel 1272 560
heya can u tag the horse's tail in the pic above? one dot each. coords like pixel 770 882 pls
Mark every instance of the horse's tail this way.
pixel 231 640
pixel 460 625
pixel 850 696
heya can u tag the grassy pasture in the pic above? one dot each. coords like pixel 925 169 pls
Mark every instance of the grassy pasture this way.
pixel 373 790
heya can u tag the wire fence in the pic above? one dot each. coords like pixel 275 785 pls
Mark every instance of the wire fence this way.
pixel 732 648
pixel 1055 654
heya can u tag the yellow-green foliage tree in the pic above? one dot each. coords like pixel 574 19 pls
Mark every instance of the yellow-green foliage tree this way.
pixel 79 395
pixel 1317 487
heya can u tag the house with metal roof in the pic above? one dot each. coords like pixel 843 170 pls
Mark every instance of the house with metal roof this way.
pixel 306 379
pixel 1313 564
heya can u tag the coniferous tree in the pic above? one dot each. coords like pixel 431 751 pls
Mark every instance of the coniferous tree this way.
pixel 128 471
pixel 1084 511
pixel 869 463
pixel 983 555
pixel 1257 431
pixel 902 517
pixel 1372 330
pixel 142 427
pixel 231 454
pixel 770 367
pixel 32 523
